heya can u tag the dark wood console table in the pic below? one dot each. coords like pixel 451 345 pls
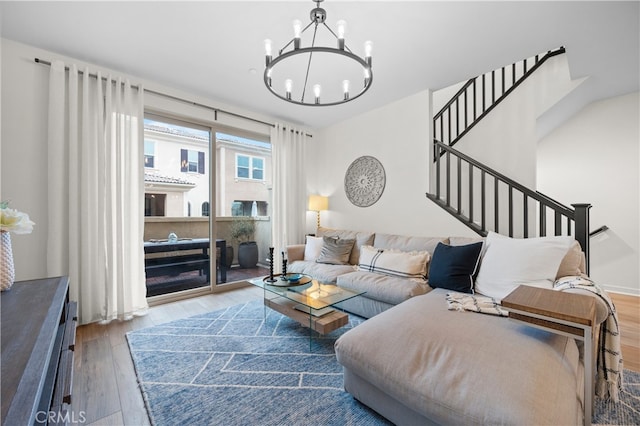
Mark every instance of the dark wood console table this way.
pixel 38 340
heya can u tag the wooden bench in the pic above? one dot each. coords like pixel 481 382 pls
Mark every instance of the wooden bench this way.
pixel 175 265
pixel 178 256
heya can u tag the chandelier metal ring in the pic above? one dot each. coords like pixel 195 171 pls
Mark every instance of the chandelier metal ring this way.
pixel 310 50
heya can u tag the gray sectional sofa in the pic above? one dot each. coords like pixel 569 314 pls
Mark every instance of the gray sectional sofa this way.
pixel 382 291
pixel 416 362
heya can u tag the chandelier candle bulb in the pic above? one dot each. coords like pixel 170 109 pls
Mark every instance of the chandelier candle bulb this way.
pixel 345 89
pixel 268 52
pixel 316 92
pixel 342 25
pixel 288 85
pixel 297 31
pixel 368 48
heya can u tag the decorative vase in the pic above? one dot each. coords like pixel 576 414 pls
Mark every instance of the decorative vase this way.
pixel 7 271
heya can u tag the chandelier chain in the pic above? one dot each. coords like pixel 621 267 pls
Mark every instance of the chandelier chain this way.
pixel 306 77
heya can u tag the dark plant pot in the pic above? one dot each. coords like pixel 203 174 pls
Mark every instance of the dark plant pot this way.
pixel 248 254
pixel 229 256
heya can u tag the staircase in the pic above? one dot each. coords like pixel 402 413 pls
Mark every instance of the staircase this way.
pixel 481 197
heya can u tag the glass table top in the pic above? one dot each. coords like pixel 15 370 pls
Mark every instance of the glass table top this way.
pixel 314 294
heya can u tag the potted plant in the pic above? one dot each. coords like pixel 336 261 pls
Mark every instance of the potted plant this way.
pixel 243 230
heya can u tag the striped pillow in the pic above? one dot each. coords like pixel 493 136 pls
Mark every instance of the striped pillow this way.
pixel 394 262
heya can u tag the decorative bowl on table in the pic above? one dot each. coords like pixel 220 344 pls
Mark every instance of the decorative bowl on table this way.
pixel 294 278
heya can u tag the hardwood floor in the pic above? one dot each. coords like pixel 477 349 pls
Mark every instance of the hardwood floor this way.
pixel 105 387
pixel 628 308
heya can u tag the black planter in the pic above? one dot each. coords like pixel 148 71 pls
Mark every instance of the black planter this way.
pixel 248 254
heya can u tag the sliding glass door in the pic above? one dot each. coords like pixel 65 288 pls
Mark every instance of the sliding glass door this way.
pixel 177 183
pixel 243 202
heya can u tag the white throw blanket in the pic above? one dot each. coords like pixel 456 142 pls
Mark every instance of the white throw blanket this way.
pixel 473 303
pixel 609 364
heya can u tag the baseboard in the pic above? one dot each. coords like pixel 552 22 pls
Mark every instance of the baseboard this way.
pixel 622 290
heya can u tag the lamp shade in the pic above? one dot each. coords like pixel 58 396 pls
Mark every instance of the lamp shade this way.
pixel 318 203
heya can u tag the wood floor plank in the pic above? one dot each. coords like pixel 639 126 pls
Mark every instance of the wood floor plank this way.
pixel 96 391
pixel 628 308
pixel 133 410
pixel 113 420
pixel 117 331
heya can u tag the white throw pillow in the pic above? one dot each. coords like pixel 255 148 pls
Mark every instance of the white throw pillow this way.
pixel 509 262
pixel 312 248
pixel 394 262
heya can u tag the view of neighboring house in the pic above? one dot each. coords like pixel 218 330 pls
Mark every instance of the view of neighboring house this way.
pixel 178 173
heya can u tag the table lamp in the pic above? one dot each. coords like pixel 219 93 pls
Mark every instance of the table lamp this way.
pixel 317 203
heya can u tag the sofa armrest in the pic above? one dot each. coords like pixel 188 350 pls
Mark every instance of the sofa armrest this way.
pixel 295 252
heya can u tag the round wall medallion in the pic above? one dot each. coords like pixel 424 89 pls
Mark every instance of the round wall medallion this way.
pixel 364 181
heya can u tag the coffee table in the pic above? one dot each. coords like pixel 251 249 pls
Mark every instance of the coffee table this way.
pixel 308 301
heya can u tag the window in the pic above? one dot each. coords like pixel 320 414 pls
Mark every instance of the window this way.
pixel 149 153
pixel 257 171
pixel 248 167
pixel 248 208
pixel 205 208
pixel 191 161
pixel 154 204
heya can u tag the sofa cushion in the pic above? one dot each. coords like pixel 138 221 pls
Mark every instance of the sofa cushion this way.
pixel 313 247
pixel 463 241
pixel 405 243
pixel 385 288
pixel 335 251
pixel 394 262
pixel 362 238
pixel 465 368
pixel 573 263
pixel 455 267
pixel 509 262
pixel 323 272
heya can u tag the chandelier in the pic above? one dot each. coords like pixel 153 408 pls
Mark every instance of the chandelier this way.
pixel 343 77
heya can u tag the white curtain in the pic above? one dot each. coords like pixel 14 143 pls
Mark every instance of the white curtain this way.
pixel 289 188
pixel 96 192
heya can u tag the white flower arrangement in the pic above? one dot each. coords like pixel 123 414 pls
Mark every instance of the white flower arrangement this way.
pixel 12 220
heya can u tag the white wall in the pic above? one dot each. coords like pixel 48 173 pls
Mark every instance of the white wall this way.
pixel 506 139
pixel 594 158
pixel 398 136
pixel 23 175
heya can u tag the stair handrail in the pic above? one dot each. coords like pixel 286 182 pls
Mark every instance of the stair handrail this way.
pixel 578 213
pixel 538 61
pixel 547 201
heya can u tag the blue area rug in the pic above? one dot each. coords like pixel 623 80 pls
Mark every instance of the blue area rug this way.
pixel 236 367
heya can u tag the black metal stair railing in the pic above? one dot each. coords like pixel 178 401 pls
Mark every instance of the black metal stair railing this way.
pixel 480 95
pixel 486 200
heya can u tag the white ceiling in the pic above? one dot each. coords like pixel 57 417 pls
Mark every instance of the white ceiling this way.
pixel 208 48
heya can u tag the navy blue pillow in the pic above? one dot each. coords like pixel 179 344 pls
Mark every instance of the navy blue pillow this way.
pixel 455 267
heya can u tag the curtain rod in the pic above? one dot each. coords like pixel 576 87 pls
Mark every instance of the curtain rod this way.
pixel 176 98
